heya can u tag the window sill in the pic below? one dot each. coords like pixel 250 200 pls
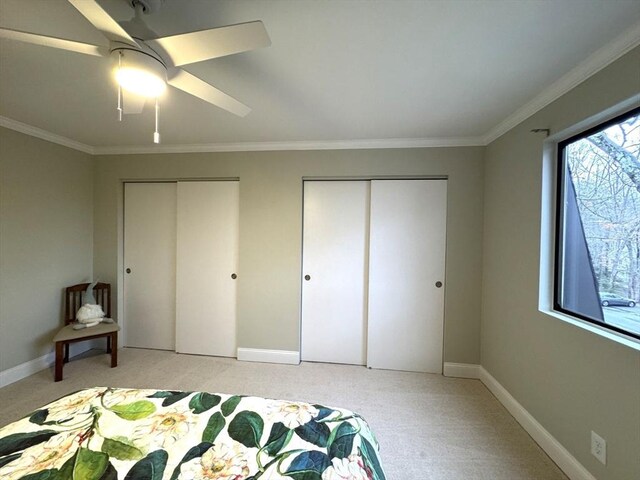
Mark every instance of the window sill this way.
pixel 600 331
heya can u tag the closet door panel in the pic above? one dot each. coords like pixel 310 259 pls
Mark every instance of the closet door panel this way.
pixel 407 254
pixel 150 259
pixel 207 257
pixel 335 236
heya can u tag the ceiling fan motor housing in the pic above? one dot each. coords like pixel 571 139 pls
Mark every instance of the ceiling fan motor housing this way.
pixel 148 6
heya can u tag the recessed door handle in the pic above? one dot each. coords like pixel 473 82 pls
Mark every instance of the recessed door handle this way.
pixel 128 270
pixel 438 284
pixel 234 276
pixel 307 277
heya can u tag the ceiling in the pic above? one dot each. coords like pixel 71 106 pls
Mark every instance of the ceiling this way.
pixel 338 73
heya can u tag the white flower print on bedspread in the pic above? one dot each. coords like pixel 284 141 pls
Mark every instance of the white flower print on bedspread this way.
pixel 293 414
pixel 72 406
pixel 350 468
pixel 220 462
pixel 165 428
pixel 125 395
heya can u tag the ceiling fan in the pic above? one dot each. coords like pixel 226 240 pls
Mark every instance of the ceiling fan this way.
pixel 145 64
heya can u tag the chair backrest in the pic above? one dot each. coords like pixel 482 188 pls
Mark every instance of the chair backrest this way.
pixel 73 299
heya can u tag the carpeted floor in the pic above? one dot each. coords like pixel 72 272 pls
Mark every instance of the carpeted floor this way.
pixel 428 426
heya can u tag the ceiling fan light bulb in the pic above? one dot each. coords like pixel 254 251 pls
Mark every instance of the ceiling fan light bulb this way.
pixel 140 73
pixel 140 82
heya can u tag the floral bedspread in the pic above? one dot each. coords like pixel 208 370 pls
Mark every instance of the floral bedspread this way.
pixel 110 433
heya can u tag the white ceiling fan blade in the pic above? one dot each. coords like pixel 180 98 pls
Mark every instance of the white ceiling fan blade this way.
pixel 213 43
pixel 132 103
pixel 53 42
pixel 100 19
pixel 193 85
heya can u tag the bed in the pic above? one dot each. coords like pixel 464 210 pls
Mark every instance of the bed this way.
pixel 115 433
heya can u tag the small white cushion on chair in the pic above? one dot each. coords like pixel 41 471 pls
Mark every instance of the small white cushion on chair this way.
pixel 89 313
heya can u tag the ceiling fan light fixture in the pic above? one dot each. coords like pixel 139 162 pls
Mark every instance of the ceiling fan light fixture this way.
pixel 140 73
pixel 140 82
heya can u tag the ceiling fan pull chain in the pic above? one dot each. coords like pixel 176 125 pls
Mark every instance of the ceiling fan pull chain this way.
pixel 119 89
pixel 119 103
pixel 156 134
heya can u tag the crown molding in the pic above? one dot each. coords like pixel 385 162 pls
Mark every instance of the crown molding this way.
pixel 294 145
pixel 45 135
pixel 380 143
pixel 585 69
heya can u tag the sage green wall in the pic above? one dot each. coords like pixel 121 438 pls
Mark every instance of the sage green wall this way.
pixel 269 280
pixel 46 240
pixel 571 380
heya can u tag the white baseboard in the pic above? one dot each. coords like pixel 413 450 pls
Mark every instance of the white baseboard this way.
pixel 26 369
pixel 23 370
pixel 560 455
pixel 268 356
pixel 461 370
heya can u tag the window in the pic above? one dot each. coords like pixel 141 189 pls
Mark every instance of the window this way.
pixel 597 260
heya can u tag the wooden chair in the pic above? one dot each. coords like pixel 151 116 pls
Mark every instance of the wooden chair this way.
pixel 66 336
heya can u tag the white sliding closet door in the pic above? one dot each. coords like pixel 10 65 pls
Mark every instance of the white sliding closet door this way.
pixel 207 258
pixel 150 265
pixel 336 217
pixel 407 259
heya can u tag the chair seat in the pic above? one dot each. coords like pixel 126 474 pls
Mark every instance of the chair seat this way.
pixel 68 333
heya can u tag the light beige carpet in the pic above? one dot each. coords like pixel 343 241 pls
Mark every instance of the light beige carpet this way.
pixel 428 426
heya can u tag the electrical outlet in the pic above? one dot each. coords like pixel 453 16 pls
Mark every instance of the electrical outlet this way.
pixel 599 447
